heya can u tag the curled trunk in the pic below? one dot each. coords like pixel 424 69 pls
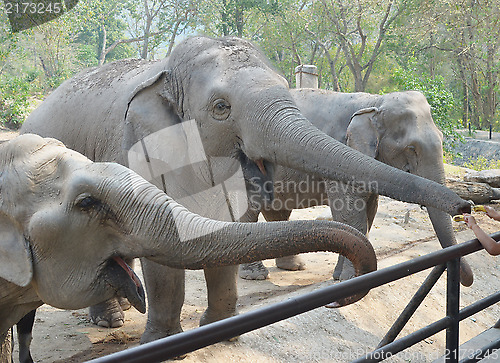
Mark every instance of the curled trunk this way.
pixel 164 231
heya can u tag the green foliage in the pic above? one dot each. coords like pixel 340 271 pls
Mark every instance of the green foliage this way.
pixel 14 100
pixel 436 47
pixel 481 163
pixel 439 98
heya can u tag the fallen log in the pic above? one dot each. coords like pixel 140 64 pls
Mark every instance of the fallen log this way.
pixel 491 177
pixel 479 193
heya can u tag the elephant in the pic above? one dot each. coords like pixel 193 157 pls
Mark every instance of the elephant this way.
pixel 242 109
pixel 24 329
pixel 395 128
pixel 67 225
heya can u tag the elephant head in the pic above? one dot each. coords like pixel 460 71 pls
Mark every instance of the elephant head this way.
pixel 67 224
pixel 242 106
pixel 399 131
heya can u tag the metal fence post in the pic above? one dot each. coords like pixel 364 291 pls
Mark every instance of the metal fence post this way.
pixel 452 310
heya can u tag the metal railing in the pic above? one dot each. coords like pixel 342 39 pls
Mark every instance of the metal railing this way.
pixel 448 258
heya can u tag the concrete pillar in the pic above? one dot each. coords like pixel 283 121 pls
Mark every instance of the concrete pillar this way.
pixel 306 76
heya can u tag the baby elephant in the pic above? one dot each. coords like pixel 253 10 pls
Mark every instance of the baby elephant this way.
pixel 67 224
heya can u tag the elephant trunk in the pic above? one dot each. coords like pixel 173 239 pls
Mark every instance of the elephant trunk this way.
pixel 290 140
pixel 162 230
pixel 442 223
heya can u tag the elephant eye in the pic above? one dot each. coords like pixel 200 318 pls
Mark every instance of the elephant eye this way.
pixel 86 202
pixel 221 109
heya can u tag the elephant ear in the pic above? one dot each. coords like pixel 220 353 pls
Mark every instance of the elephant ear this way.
pixel 149 109
pixel 16 264
pixel 362 133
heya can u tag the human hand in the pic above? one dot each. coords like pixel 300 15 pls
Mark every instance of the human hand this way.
pixel 470 220
pixel 492 213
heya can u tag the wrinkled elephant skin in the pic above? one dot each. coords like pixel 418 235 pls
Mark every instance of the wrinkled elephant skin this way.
pixel 243 110
pixel 396 129
pixel 68 223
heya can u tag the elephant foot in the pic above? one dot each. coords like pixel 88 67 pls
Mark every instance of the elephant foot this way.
pixel 151 334
pixel 124 303
pixel 209 317
pixel 290 263
pixel 254 271
pixel 108 314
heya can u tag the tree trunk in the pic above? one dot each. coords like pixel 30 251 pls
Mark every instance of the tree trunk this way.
pixel 102 52
pixel 479 193
pixel 145 44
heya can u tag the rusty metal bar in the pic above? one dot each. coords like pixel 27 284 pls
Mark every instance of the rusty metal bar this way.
pixel 189 341
pixel 413 305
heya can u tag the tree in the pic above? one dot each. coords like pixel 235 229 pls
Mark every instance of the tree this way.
pixel 468 33
pixel 478 57
pixel 154 20
pixel 230 17
pixel 440 99
pixel 361 28
pixel 100 23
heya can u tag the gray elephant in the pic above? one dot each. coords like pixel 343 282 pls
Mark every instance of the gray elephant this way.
pixel 396 129
pixel 242 109
pixel 67 224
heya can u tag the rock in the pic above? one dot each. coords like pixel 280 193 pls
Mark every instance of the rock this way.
pixel 491 177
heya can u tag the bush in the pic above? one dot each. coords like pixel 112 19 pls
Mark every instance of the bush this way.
pixel 14 101
pixel 481 163
pixel 440 99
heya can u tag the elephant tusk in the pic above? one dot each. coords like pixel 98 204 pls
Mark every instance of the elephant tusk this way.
pixel 128 270
pixel 260 165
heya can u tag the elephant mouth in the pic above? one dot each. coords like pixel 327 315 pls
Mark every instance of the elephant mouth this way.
pixel 258 175
pixel 125 282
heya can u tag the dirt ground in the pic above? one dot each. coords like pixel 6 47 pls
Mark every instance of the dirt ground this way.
pixel 321 335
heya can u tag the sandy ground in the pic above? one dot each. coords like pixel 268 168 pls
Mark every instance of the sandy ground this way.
pixel 321 335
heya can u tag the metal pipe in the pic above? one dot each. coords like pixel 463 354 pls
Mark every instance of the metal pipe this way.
pixel 183 343
pixel 484 352
pixel 412 306
pixel 452 310
pixel 479 305
pixel 403 343
pixel 428 331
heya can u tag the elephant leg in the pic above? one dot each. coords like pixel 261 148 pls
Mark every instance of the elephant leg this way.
pixel 222 294
pixel 254 270
pixel 350 208
pixel 290 263
pixel 24 336
pixel 165 289
pixel 371 210
pixel 344 269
